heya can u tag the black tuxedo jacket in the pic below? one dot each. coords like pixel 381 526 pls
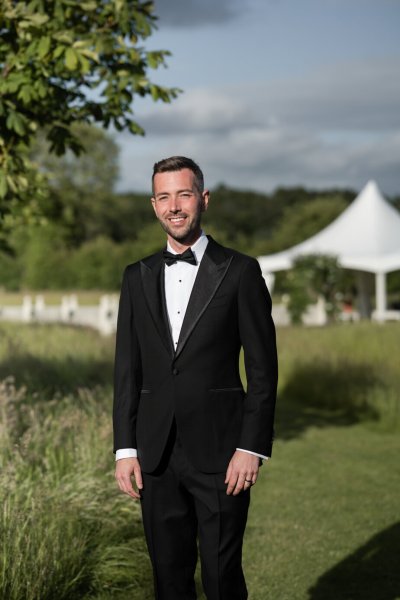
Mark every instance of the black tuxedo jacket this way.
pixel 199 383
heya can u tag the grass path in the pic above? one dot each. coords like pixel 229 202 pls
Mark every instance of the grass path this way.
pixel 325 518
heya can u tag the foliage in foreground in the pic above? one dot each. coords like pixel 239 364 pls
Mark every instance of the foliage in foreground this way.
pixel 66 531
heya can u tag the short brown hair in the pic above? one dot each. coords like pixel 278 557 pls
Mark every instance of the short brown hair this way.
pixel 177 163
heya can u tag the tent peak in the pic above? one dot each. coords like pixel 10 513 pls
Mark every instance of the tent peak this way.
pixel 371 183
pixel 364 237
pixel 371 190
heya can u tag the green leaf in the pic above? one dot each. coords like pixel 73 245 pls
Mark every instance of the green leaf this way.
pixel 64 37
pixel 89 6
pixel 119 5
pixel 44 46
pixel 15 121
pixel 41 89
pixel 12 84
pixel 135 128
pixel 25 94
pixel 58 51
pixel 154 59
pixel 3 185
pixel 38 19
pixel 155 92
pixel 85 64
pixel 71 59
pixel 23 182
pixel 90 54
pixel 11 184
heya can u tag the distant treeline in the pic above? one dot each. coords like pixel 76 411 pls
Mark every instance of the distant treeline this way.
pixel 88 233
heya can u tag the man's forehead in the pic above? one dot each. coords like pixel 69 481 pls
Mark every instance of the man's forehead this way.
pixel 184 177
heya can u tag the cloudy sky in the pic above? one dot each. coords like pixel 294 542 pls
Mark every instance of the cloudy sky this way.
pixel 275 92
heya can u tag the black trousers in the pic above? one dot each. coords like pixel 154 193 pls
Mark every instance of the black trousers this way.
pixel 181 505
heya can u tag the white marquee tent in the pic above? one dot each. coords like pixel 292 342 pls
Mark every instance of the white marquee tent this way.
pixel 365 238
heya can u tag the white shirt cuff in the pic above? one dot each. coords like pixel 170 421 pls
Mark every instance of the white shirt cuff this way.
pixel 132 453
pixel 254 453
pixel 126 453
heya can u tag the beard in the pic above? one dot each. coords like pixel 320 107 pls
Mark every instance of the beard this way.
pixel 185 233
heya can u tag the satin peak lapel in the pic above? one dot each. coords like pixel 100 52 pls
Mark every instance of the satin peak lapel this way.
pixel 152 273
pixel 208 280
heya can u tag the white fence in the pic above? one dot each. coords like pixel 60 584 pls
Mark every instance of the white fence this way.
pixel 102 317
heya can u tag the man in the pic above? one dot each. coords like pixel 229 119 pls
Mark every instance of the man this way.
pixel 185 431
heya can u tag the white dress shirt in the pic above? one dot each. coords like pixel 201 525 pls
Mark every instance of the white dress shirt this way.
pixel 179 281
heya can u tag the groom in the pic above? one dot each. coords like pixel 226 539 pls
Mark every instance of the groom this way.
pixel 185 431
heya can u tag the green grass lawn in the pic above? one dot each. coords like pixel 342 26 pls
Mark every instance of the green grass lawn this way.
pixel 325 518
pixel 324 521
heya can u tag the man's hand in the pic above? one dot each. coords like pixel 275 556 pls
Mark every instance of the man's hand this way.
pixel 242 472
pixel 124 470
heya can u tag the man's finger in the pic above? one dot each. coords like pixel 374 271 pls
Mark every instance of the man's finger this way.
pixel 134 494
pixel 128 489
pixel 231 483
pixel 125 485
pixel 239 484
pixel 235 484
pixel 138 478
pixel 228 472
pixel 125 469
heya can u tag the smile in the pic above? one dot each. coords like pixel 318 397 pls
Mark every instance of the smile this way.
pixel 177 219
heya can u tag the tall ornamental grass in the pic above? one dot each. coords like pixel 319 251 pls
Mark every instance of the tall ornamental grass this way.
pixel 66 532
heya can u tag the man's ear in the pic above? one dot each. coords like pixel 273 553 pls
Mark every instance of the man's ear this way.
pixel 153 202
pixel 205 197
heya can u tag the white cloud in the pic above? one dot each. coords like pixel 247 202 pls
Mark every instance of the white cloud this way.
pixel 339 126
pixel 352 96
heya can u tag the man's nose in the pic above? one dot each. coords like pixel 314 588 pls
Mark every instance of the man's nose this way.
pixel 175 205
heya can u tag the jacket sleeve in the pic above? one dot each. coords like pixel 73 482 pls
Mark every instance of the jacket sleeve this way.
pixel 127 372
pixel 258 339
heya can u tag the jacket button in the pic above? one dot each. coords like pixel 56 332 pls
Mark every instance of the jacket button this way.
pixel 175 371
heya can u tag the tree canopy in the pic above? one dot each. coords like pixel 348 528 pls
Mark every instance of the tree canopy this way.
pixel 80 201
pixel 64 62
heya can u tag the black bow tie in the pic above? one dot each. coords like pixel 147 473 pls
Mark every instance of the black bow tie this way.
pixel 186 256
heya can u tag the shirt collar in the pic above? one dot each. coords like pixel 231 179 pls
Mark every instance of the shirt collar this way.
pixel 198 248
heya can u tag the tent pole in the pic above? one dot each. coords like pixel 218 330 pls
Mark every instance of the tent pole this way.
pixel 380 295
pixel 364 290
